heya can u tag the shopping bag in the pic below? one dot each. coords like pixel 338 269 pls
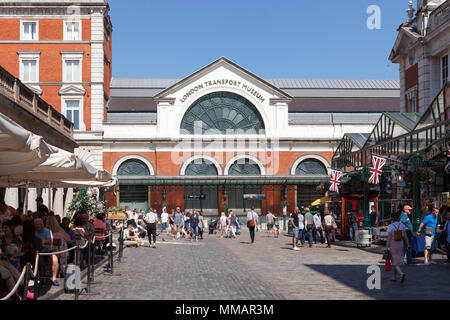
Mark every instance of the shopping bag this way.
pixel 387 265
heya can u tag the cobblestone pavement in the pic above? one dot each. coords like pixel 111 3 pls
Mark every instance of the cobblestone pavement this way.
pixel 232 269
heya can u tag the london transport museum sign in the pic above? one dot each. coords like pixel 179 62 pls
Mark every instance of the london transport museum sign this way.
pixel 223 82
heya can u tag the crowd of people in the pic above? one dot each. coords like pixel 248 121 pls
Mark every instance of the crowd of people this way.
pixel 189 225
pixel 24 234
pixel 401 236
pixel 312 227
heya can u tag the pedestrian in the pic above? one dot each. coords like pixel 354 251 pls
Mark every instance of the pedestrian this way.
pixel 186 224
pixel 334 230
pixel 309 226
pixel 200 224
pixel 328 223
pixel 171 223
pixel 269 222
pixel 446 235
pixel 277 226
pixel 132 237
pixel 193 225
pixel 374 216
pixel 301 228
pixel 178 222
pixel 429 225
pixel 352 225
pixel 151 219
pixel 252 222
pixel 318 226
pixel 294 224
pixel 396 233
pixel 60 239
pixel 164 221
pixel 223 224
pixel 404 218
pixel 233 223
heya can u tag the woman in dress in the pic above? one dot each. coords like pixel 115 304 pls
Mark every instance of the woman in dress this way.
pixel 60 239
pixel 396 235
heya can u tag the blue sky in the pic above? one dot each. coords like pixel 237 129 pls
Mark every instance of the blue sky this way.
pixel 271 38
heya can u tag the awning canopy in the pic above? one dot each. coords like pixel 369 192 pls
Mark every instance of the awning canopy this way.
pixel 61 169
pixel 221 180
pixel 20 149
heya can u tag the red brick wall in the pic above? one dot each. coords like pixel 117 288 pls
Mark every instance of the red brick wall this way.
pixel 411 76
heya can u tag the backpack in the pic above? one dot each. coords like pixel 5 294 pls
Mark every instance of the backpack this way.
pixel 352 219
pixel 398 234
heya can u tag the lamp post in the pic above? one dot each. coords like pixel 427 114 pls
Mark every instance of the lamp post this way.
pixel 416 163
pixel 365 175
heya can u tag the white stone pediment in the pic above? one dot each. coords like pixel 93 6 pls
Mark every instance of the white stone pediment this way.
pixel 72 90
pixel 221 75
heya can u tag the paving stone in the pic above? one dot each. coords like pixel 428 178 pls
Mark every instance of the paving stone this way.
pixel 232 269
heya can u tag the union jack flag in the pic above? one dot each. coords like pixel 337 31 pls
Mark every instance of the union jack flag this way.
pixel 378 163
pixel 447 165
pixel 335 177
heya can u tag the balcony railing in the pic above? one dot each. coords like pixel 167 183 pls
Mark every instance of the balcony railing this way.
pixel 439 16
pixel 24 97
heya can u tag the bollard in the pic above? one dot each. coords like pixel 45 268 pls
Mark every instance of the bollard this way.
pixel 92 263
pixel 88 287
pixel 120 244
pixel 78 263
pixel 37 280
pixel 27 279
pixel 111 258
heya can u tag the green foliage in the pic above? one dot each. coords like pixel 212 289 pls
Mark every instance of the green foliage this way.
pixel 85 200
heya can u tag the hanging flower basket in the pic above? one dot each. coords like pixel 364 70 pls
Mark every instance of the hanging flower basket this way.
pixel 424 174
pixel 322 188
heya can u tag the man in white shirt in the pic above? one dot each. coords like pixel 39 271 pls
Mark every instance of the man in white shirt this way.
pixel 318 227
pixel 151 219
pixel 269 222
pixel 164 221
pixel 252 223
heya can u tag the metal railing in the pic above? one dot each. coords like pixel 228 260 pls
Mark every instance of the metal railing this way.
pixel 29 273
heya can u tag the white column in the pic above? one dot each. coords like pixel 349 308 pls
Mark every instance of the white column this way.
pixel 32 195
pixel 69 198
pixel 58 203
pixel 12 197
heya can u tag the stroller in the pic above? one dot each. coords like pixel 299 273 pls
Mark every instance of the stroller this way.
pixel 213 225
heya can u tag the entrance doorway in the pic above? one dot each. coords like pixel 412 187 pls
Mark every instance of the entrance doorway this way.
pixel 236 200
pixel 208 205
pixel 134 197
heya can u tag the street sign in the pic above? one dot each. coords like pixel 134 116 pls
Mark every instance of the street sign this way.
pixel 194 197
pixel 254 197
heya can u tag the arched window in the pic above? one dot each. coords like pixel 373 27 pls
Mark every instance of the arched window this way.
pixel 245 167
pixel 222 113
pixel 133 168
pixel 201 167
pixel 311 167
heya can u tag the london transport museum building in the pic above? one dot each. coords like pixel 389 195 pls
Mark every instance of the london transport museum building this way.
pixel 220 138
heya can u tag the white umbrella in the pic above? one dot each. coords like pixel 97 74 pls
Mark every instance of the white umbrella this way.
pixel 20 149
pixel 60 166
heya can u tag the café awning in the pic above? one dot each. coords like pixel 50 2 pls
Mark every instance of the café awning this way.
pixel 61 169
pixel 20 149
